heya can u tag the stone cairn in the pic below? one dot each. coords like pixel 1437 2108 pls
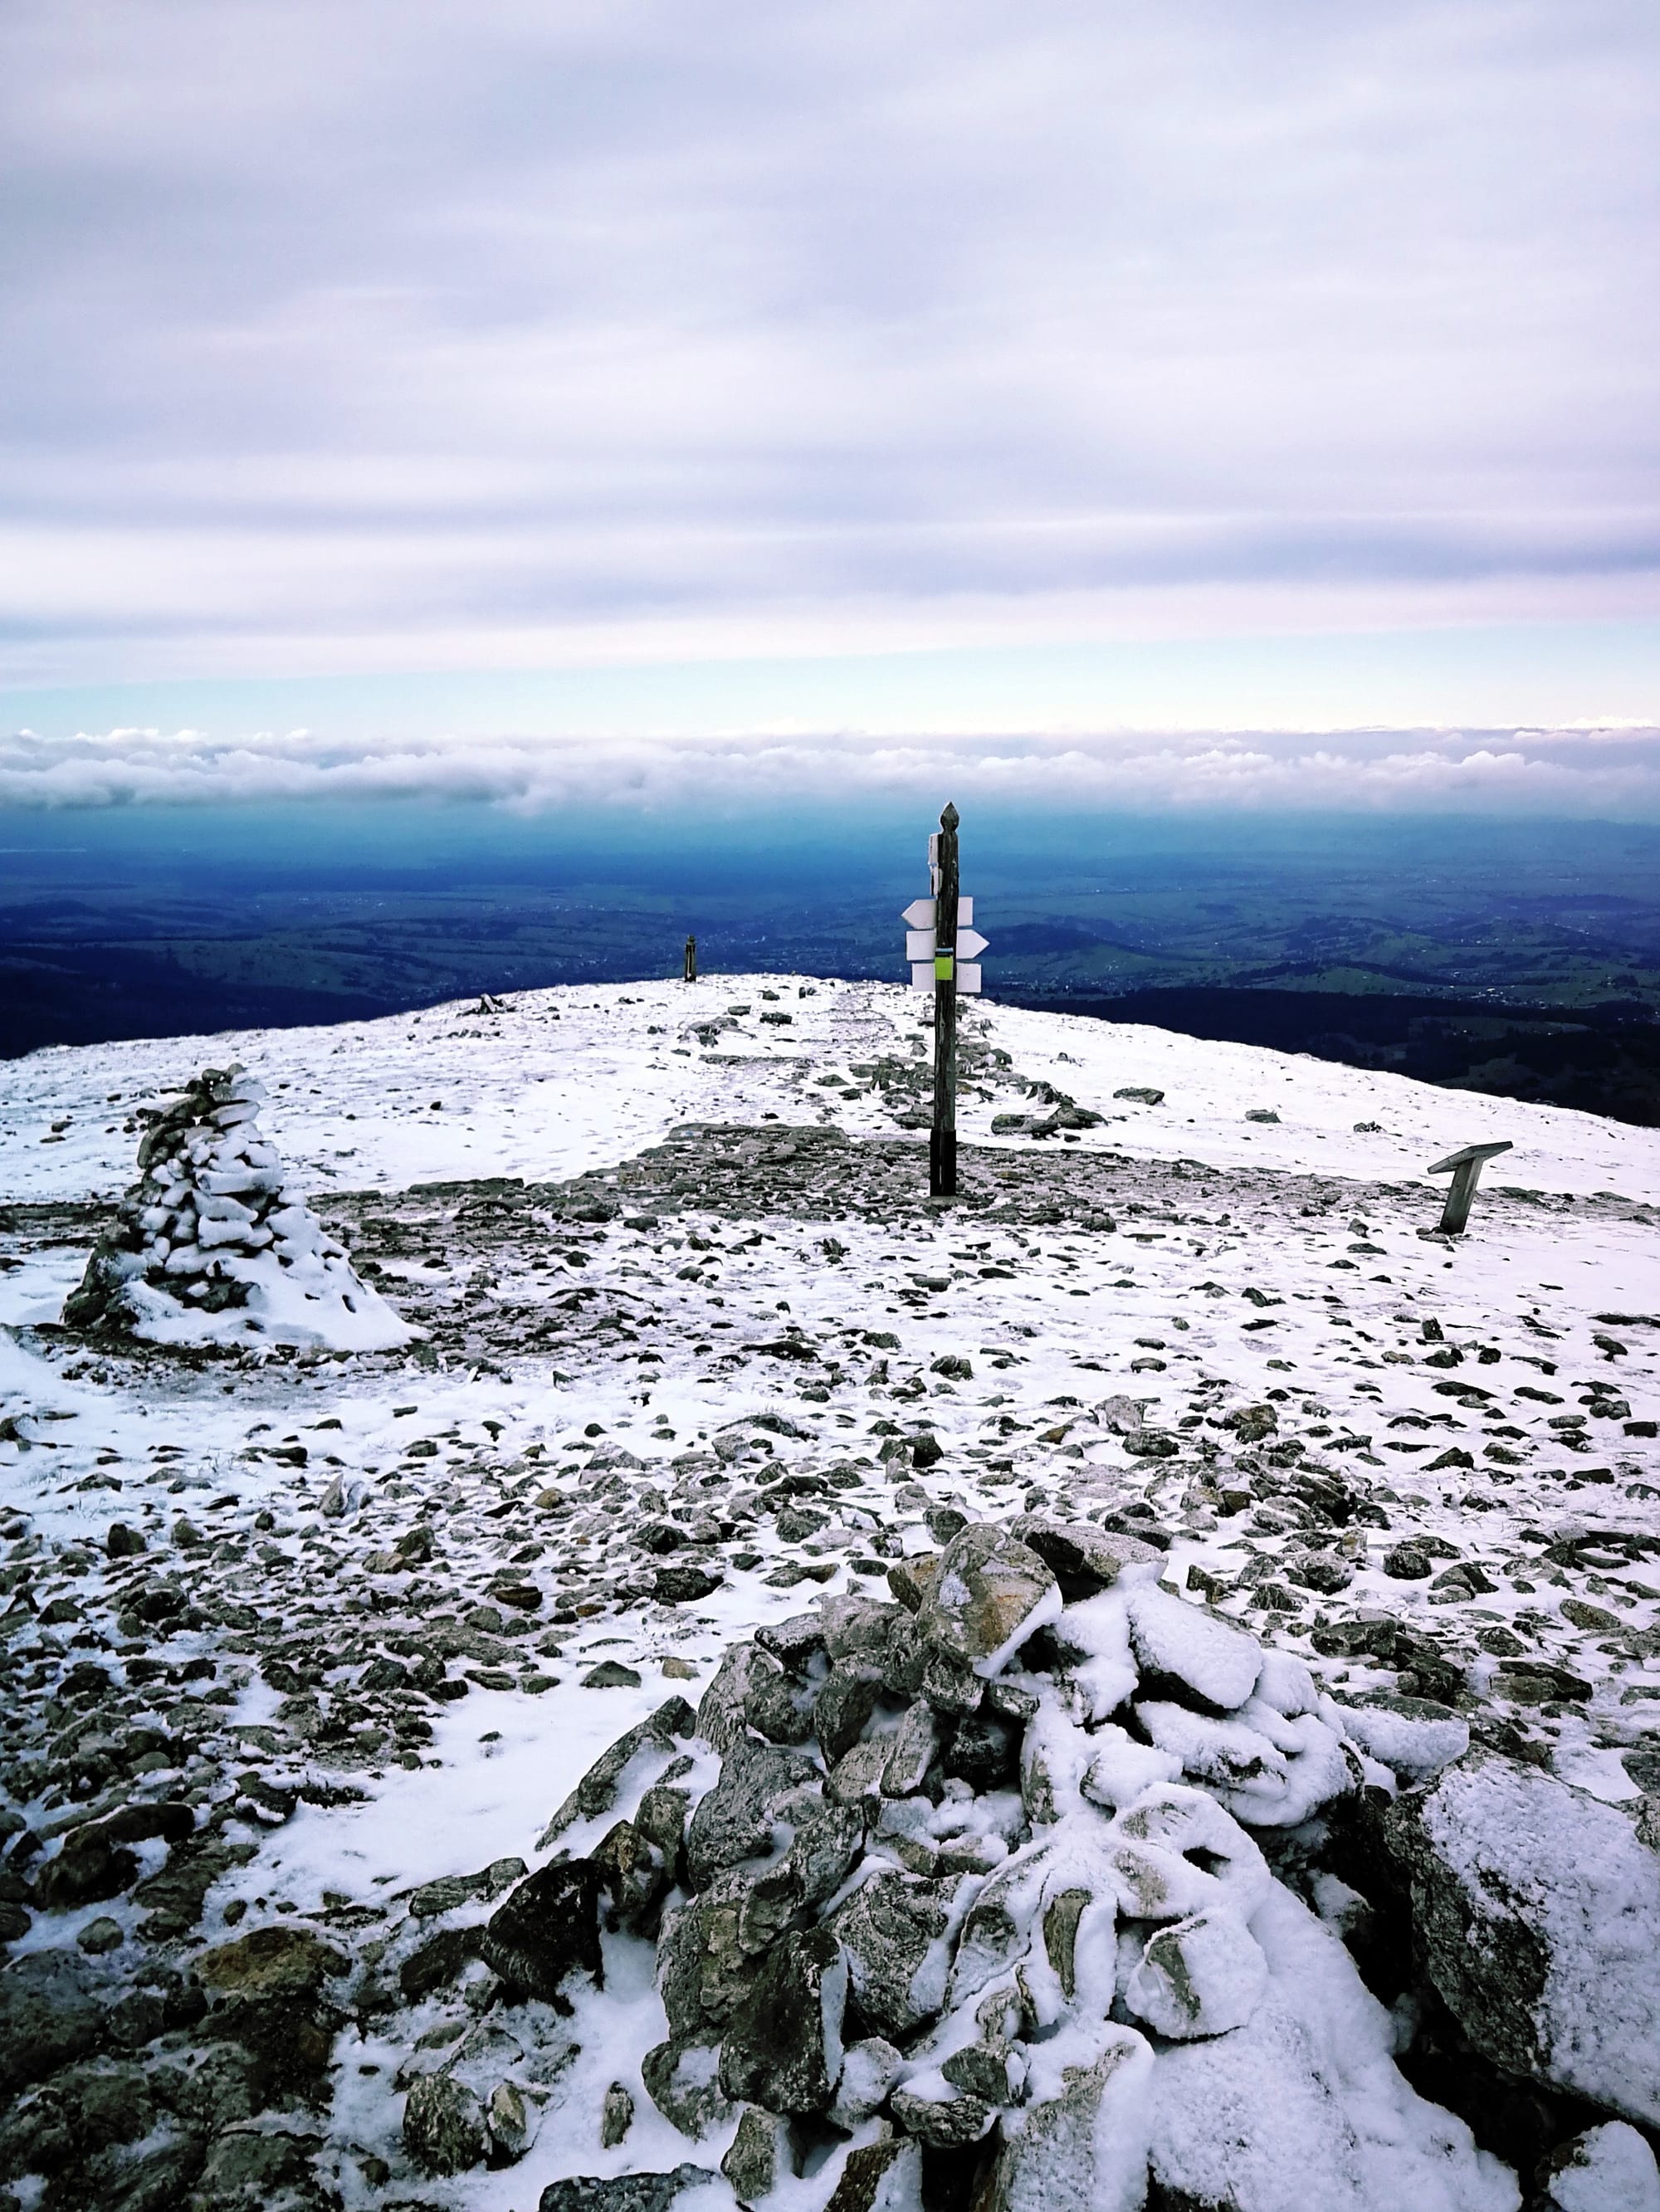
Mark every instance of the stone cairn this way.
pixel 916 1895
pixel 210 1230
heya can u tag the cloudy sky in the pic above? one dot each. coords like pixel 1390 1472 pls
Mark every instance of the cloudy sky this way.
pixel 437 377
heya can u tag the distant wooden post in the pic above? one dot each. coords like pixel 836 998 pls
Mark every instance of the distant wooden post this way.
pixel 1465 1168
pixel 689 972
pixel 942 1144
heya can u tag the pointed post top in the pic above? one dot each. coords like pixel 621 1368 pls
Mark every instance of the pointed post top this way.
pixel 950 818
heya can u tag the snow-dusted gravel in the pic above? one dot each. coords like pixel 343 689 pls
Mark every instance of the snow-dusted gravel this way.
pixel 695 1350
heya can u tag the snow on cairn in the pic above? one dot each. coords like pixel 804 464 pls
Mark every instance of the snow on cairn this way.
pixel 209 1249
pixel 907 1892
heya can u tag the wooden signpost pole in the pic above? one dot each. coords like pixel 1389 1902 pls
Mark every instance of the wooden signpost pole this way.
pixel 942 1144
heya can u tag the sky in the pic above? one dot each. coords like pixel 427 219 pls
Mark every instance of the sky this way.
pixel 1188 404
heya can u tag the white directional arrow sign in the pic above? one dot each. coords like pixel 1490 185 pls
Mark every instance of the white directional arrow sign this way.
pixel 970 943
pixel 967 977
pixel 919 914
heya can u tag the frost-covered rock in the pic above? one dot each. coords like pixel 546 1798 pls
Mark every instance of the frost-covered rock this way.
pixel 1303 2106
pixel 1198 1976
pixel 1219 1664
pixel 1413 1736
pixel 989 1595
pixel 1607 2169
pixel 1080 2144
pixel 211 1247
pixel 1539 1913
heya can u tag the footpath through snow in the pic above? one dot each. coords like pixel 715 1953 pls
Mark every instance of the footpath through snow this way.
pixel 925 1550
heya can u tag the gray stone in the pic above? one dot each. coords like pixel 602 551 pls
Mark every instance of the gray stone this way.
pixel 887 1928
pixel 821 1855
pixel 910 1751
pixel 600 1788
pixel 511 2119
pixel 1415 1735
pixel 1406 1563
pixel 735 1821
pixel 616 2116
pixel 783 2044
pixel 1180 1647
pixel 683 2079
pixel 683 1585
pixel 859 1628
pixel 1253 2121
pixel 444 2127
pixel 950 2122
pixel 547 1930
pixel 1607 2169
pixel 1083 1557
pixel 1083 2149
pixel 153 2180
pixel 950 1684
pixel 1538 1913
pixel 759 2155
pixel 438 1961
pixel 51 2003
pixel 990 1593
pixel 869 2069
pixel 251 2169
pixel 275 1961
pixel 622 2192
pixel 1201 1976
pixel 844 1704
pixel 880 2176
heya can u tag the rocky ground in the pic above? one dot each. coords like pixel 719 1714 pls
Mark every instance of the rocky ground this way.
pixel 303 1649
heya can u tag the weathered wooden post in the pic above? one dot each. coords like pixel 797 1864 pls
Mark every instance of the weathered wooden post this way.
pixel 942 1142
pixel 1465 1168
pixel 689 973
pixel 944 952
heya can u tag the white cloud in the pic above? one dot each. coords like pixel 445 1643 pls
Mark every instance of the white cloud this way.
pixel 1589 773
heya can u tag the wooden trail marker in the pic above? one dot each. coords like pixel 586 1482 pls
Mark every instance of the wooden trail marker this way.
pixel 689 973
pixel 944 952
pixel 942 1140
pixel 1465 1168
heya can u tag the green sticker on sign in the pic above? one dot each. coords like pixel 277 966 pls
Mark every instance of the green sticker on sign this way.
pixel 943 966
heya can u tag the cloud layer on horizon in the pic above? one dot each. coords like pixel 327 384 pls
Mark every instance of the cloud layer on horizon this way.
pixel 1611 773
pixel 411 335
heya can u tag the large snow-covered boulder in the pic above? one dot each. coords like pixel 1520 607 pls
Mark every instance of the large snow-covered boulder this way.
pixel 1539 1914
pixel 211 1247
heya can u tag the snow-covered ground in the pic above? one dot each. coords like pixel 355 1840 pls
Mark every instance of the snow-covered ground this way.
pixel 578 1078
pixel 667 1244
